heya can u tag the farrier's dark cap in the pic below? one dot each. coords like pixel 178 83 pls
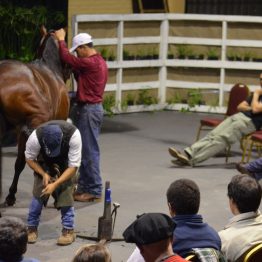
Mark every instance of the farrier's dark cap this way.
pixel 52 138
pixel 149 228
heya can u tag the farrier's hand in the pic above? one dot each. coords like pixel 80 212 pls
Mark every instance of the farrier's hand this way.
pixel 60 34
pixel 49 189
pixel 46 179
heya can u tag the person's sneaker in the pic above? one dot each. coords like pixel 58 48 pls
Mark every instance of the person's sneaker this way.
pixel 68 237
pixel 32 234
pixel 175 153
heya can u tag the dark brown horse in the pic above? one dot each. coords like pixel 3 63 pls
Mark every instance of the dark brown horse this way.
pixel 31 94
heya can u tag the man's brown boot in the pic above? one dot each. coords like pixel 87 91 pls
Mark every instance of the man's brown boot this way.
pixel 68 237
pixel 242 169
pixel 32 234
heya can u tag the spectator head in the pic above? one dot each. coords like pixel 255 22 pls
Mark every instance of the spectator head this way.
pixel 152 233
pixel 183 197
pixel 245 193
pixel 93 253
pixel 13 239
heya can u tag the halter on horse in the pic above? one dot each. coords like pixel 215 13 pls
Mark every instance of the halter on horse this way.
pixel 31 94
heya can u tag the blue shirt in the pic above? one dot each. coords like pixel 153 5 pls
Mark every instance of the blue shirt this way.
pixel 192 232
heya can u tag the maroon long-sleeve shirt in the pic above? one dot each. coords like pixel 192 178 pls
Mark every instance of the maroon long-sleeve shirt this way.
pixel 90 73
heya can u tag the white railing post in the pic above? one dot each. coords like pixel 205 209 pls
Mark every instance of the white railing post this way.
pixel 119 74
pixel 223 58
pixel 163 50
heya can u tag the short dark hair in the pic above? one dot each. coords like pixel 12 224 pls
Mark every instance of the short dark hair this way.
pixel 184 197
pixel 246 193
pixel 13 238
pixel 90 45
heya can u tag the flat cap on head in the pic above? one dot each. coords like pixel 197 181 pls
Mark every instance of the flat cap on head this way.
pixel 149 228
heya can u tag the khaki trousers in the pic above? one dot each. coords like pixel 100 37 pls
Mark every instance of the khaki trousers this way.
pixel 231 130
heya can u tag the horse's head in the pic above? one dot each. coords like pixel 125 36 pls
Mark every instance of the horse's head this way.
pixel 48 53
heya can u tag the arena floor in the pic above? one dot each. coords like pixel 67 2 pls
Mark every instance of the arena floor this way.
pixel 135 159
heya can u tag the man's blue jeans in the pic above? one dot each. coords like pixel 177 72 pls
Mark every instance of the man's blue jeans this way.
pixel 90 117
pixel 35 209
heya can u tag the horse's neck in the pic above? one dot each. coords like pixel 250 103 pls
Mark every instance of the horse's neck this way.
pixel 50 57
pixel 52 67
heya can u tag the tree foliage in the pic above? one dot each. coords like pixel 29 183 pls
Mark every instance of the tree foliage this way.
pixel 19 27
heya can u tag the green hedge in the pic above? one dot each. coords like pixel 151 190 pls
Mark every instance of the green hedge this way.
pixel 19 27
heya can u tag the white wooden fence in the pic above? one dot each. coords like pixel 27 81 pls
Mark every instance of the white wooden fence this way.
pixel 163 40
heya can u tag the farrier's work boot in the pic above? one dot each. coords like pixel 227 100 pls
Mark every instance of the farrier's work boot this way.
pixel 32 234
pixel 68 237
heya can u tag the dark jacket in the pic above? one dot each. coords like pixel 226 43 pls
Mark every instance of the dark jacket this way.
pixel 192 232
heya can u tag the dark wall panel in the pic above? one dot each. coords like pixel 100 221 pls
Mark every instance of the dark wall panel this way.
pixel 224 7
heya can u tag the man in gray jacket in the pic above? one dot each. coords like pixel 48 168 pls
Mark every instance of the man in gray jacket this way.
pixel 245 229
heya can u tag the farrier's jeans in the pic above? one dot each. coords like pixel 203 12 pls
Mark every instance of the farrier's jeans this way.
pixel 35 209
pixel 90 117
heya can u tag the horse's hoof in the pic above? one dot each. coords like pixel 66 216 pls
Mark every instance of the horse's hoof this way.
pixel 9 202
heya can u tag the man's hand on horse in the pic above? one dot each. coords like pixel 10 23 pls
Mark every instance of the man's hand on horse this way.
pixel 60 34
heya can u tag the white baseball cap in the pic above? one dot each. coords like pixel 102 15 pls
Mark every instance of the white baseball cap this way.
pixel 80 39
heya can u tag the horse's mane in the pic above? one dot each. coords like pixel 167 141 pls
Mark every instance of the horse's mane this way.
pixel 48 54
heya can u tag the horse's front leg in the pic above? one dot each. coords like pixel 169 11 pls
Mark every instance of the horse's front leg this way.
pixel 19 166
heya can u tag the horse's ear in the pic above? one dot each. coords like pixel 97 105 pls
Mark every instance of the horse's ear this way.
pixel 43 31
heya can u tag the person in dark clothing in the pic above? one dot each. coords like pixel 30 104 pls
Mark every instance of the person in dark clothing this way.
pixel 53 151
pixel 90 71
pixel 183 197
pixel 13 240
pixel 253 168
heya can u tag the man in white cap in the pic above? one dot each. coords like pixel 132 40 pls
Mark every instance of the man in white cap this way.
pixel 53 151
pixel 90 71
